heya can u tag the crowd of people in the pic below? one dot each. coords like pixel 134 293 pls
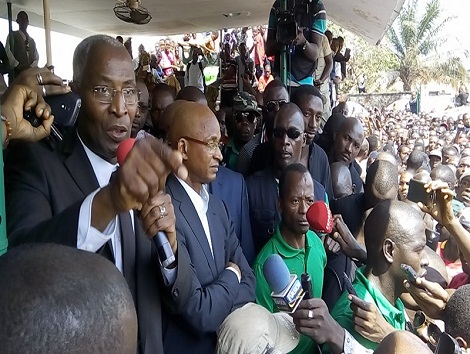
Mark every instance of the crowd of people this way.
pixel 164 248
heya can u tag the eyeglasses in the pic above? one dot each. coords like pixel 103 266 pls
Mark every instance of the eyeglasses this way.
pixel 274 105
pixel 212 146
pixel 292 133
pixel 241 116
pixel 106 94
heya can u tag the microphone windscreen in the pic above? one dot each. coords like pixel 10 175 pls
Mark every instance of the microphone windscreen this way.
pixel 123 149
pixel 276 273
pixel 319 217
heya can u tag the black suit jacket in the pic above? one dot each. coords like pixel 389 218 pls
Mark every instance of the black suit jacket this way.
pixel 215 291
pixel 45 191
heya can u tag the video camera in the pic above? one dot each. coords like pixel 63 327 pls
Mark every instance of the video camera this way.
pixel 298 14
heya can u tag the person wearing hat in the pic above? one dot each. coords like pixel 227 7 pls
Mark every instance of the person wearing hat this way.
pixel 435 158
pixel 463 189
pixel 23 53
pixel 244 118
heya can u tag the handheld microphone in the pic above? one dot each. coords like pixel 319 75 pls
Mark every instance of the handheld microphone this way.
pixel 320 218
pixel 164 251
pixel 287 292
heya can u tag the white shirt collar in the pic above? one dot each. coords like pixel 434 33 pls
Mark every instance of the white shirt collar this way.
pixel 199 200
pixel 102 168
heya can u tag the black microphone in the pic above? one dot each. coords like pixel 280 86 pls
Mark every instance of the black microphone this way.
pixel 164 251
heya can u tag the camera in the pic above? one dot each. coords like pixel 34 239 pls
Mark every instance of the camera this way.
pixel 298 15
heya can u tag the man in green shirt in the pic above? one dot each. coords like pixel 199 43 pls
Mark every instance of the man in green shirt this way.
pixel 301 249
pixel 394 234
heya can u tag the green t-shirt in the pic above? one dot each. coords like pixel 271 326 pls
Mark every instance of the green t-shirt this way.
pixel 3 226
pixel 313 256
pixel 342 313
pixel 230 154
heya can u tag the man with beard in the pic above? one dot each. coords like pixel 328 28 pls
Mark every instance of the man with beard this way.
pixel 288 142
pixel 245 116
pixel 347 143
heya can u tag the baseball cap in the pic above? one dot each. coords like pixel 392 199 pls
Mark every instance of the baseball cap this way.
pixel 244 102
pixel 466 174
pixel 436 152
pixel 253 329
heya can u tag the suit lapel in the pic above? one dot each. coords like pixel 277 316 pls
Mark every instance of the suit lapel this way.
pixel 182 201
pixel 217 235
pixel 77 163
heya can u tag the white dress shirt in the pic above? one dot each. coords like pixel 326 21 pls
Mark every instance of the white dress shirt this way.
pixel 89 238
pixel 201 204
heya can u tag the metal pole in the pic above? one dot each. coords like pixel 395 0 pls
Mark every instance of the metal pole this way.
pixel 11 74
pixel 47 29
pixel 283 56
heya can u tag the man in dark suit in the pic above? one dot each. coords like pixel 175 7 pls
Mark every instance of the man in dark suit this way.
pixel 66 196
pixel 222 281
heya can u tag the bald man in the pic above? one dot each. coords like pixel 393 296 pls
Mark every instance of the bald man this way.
pixel 341 177
pixel 193 94
pixel 347 142
pixel 394 234
pixel 222 281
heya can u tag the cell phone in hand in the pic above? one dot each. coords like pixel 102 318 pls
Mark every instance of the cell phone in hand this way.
pixel 417 193
pixel 409 273
pixel 348 285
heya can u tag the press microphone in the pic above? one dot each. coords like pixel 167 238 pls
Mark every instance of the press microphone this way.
pixel 286 289
pixel 164 251
pixel 320 218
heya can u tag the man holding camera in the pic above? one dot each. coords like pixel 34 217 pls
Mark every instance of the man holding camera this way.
pixel 300 28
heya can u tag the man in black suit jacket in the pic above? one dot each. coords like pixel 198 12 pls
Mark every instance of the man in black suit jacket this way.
pixel 65 196
pixel 221 279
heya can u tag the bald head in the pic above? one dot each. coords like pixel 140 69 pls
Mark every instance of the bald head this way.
pixel 399 342
pixel 381 182
pixel 394 220
pixel 58 299
pixel 291 112
pixel 166 119
pixel 193 94
pixel 341 180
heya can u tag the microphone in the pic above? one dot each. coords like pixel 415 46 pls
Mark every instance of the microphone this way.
pixel 320 218
pixel 286 289
pixel 164 251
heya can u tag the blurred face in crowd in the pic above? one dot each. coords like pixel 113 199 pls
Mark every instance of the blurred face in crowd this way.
pixel 432 142
pixel 466 120
pixel 299 196
pixel 244 127
pixel 404 185
pixel 274 98
pixel 104 125
pixel 160 100
pixel 288 135
pixel 143 109
pixel 464 166
pixel 404 153
pixel 312 108
pixel 448 153
pixel 348 141
pixel 463 191
pixel 434 161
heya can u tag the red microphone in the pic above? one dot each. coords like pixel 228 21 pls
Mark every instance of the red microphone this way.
pixel 123 149
pixel 320 218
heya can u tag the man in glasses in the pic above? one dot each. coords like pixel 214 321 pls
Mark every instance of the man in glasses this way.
pixel 67 195
pixel 221 279
pixel 274 97
pixel 23 54
pixel 245 115
pixel 288 141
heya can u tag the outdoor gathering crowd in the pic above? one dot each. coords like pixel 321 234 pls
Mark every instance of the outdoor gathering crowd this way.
pixel 166 243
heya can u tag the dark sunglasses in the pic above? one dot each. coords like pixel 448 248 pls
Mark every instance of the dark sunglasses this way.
pixel 274 105
pixel 241 116
pixel 292 133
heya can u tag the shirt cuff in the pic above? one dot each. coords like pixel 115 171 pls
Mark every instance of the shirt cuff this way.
pixel 236 273
pixel 169 275
pixel 352 346
pixel 88 237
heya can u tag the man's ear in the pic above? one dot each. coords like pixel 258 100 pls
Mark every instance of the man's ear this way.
pixel 388 250
pixel 304 140
pixel 183 148
pixel 462 343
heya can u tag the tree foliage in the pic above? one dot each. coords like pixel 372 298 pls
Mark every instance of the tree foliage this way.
pixel 415 36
